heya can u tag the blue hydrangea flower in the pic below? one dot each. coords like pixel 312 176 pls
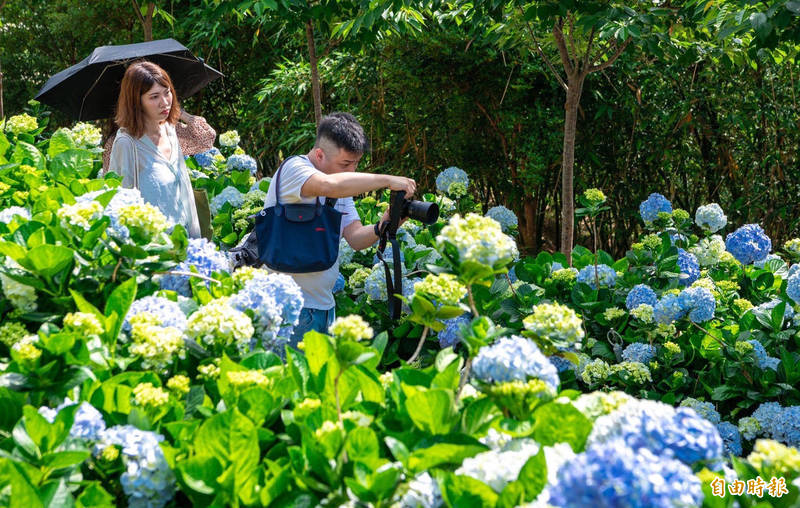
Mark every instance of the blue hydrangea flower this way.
pixel 768 415
pixel 664 430
pixel 687 262
pixel 763 360
pixel 779 423
pixel 668 309
pixel 242 163
pixel 514 358
pixel 275 301
pixel 204 257
pixel 699 302
pixel 606 274
pixel 230 195
pixel 338 286
pixel 748 244
pixel 639 352
pixel 787 429
pixel 148 480
pixel 655 203
pixel 704 409
pixel 206 159
pixel 793 287
pixel 87 424
pixel 505 217
pixel 166 310
pixel 452 181
pixel 450 336
pixel 561 363
pixel 793 270
pixel 388 255
pixel 731 438
pixel 613 474
pixel 641 293
pixel 710 217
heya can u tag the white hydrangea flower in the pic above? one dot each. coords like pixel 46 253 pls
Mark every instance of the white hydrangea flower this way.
pixel 498 468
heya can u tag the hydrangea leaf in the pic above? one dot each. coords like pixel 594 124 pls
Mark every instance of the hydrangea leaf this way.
pixel 556 422
pixel 466 491
pixel 432 411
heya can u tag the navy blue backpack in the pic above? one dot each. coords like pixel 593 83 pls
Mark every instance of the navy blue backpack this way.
pixel 298 238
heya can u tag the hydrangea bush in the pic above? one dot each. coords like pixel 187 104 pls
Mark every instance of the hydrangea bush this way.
pixel 135 366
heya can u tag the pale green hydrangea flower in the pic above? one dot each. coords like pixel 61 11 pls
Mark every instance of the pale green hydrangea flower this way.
pixel 352 327
pixel 358 277
pixel 86 135
pixel 612 313
pixel 793 246
pixel 443 288
pixel 146 217
pixel 555 321
pixel 179 383
pixel 643 312
pixel 217 323
pixel 19 124
pixel 84 322
pixel 246 378
pixel 709 251
pixel 776 457
pixel 478 239
pixel 596 372
pixel 157 345
pixel 147 395
pixel 80 214
pixel 594 196
pixel 229 139
pixel 632 371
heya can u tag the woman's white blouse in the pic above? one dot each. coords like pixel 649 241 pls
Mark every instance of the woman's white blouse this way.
pixel 163 183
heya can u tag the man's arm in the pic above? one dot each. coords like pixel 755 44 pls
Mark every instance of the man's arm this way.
pixel 345 185
pixel 359 236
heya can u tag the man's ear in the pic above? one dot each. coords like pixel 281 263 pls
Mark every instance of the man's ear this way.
pixel 319 153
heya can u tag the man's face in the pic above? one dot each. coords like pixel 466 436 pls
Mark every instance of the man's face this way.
pixel 338 160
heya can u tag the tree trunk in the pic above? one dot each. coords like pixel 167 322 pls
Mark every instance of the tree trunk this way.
pixel 147 19
pixel 315 85
pixel 568 164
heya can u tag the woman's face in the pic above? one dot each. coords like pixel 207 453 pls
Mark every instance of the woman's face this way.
pixel 157 103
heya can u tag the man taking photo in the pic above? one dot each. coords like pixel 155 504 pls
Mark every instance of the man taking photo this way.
pixel 329 171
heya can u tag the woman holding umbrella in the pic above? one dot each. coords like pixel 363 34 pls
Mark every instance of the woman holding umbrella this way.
pixel 146 152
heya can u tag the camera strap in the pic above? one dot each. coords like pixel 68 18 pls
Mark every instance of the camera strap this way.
pixel 394 285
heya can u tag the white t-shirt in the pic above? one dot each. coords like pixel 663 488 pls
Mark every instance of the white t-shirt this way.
pixel 317 286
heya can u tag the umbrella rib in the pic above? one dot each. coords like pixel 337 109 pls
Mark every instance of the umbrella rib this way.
pixel 83 102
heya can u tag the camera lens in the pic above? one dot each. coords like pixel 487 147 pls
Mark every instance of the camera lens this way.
pixel 427 213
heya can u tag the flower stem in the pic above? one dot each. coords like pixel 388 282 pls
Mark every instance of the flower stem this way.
pixel 511 285
pixel 464 376
pixel 705 332
pixel 472 301
pixel 419 346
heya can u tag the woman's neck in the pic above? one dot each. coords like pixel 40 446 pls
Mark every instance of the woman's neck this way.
pixel 153 129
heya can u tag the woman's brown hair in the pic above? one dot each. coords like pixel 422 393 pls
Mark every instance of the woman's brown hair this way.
pixel 138 79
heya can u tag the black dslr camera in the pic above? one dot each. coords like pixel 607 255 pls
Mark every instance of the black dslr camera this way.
pixel 399 209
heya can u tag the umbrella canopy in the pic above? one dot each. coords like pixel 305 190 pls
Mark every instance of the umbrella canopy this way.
pixel 89 89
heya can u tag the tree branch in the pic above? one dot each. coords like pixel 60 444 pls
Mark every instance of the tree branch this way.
pixel 562 48
pixel 138 11
pixel 574 57
pixel 620 49
pixel 588 53
pixel 541 53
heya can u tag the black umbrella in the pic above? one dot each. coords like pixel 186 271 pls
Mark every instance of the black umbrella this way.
pixel 89 89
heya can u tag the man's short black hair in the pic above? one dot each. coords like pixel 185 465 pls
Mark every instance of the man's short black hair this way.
pixel 344 131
